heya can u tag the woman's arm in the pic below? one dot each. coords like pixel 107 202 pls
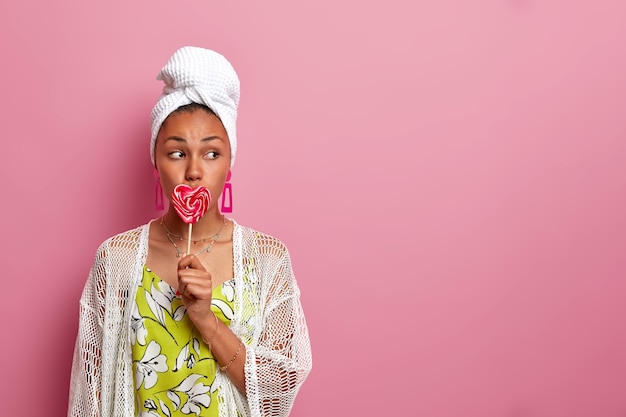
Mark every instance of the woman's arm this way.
pixel 277 367
pixel 229 351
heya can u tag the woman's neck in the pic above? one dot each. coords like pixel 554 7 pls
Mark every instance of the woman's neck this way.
pixel 203 229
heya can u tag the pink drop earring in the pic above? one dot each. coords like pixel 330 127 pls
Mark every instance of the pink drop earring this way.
pixel 227 196
pixel 158 192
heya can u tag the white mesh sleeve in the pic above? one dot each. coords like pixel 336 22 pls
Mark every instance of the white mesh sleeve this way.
pixel 279 363
pixel 84 395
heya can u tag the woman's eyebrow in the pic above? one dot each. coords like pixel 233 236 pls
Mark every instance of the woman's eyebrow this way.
pixel 210 138
pixel 183 140
pixel 176 139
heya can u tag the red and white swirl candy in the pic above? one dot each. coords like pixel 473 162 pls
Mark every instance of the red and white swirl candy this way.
pixel 190 203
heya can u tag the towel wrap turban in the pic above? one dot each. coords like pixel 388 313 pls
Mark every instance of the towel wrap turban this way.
pixel 203 76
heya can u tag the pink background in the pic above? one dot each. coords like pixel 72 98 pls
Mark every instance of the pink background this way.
pixel 448 175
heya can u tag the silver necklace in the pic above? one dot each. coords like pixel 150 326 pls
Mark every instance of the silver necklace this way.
pixel 168 234
pixel 181 238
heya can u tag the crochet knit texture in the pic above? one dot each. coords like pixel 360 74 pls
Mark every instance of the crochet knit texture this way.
pixel 268 319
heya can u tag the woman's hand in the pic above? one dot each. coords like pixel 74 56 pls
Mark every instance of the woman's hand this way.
pixel 196 288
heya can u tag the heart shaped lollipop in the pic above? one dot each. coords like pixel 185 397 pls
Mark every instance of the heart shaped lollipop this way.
pixel 190 204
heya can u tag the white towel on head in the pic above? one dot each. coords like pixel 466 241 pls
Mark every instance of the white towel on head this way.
pixel 198 75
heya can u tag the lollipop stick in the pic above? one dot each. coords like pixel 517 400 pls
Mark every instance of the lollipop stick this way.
pixel 189 241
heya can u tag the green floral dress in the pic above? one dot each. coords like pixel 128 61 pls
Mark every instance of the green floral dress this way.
pixel 174 369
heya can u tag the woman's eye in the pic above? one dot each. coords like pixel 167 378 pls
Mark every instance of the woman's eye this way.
pixel 176 155
pixel 212 155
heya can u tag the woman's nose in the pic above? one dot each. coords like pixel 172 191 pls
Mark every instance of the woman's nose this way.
pixel 194 171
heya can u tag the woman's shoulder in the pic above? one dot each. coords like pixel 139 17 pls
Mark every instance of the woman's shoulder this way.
pixel 262 242
pixel 126 239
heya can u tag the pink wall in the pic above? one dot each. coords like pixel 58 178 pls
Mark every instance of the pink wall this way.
pixel 449 177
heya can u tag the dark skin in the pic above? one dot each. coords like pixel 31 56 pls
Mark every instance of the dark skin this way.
pixel 192 148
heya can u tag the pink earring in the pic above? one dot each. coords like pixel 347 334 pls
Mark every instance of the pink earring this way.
pixel 227 196
pixel 158 192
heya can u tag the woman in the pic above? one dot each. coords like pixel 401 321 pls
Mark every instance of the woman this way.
pixel 218 331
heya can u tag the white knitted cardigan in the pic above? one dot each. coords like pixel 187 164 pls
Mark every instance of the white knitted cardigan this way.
pixel 268 319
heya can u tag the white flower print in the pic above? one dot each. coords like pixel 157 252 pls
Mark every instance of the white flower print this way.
pixel 150 404
pixel 138 330
pixel 183 356
pixel 157 301
pixel 188 354
pixel 228 289
pixel 160 299
pixel 167 291
pixel 154 307
pixel 197 394
pixel 226 310
pixel 179 313
pixel 174 398
pixel 151 363
pixel 165 409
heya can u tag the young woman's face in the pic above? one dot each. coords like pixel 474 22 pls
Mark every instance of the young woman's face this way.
pixel 192 148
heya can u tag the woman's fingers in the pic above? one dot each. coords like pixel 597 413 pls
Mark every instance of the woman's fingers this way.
pixel 193 279
pixel 191 262
pixel 200 288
